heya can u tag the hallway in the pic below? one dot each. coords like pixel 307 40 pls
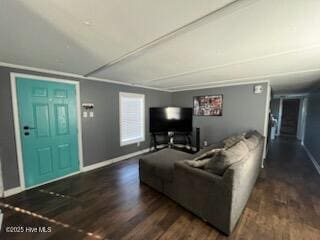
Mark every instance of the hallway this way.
pixel 290 194
pixel 110 203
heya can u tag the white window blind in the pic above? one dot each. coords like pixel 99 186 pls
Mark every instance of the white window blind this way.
pixel 131 118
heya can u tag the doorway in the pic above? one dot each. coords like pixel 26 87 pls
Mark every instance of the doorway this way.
pixel 290 117
pixel 47 127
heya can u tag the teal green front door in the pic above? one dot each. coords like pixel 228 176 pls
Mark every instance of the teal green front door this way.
pixel 48 129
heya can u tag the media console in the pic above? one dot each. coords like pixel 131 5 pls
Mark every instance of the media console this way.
pixel 177 140
pixel 172 127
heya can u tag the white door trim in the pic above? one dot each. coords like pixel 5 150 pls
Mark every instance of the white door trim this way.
pixel 266 121
pixel 302 107
pixel 14 97
pixel 280 116
pixel 304 118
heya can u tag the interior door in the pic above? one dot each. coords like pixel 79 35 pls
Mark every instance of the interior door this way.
pixel 48 129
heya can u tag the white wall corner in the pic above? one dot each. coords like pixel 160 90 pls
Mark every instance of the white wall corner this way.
pixel 266 121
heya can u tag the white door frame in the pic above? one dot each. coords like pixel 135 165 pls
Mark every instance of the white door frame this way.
pixel 302 110
pixel 266 121
pixel 280 116
pixel 13 77
pixel 304 118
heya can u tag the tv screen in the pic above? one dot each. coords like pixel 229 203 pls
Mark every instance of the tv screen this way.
pixel 170 119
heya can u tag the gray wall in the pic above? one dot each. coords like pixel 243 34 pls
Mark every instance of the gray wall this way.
pixel 100 134
pixel 242 110
pixel 312 129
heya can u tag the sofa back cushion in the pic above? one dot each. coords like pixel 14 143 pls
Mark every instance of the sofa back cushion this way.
pixel 252 142
pixel 231 141
pixel 219 163
pixel 207 149
pixel 198 163
pixel 209 154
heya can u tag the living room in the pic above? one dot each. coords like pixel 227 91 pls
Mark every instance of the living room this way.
pixel 159 120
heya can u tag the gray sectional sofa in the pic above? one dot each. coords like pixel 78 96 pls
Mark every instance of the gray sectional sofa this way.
pixel 218 199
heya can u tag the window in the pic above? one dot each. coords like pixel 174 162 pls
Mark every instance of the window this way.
pixel 131 118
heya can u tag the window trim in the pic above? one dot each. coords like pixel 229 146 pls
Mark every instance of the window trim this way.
pixel 135 95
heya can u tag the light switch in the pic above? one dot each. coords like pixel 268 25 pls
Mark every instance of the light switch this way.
pixel 85 114
pixel 91 114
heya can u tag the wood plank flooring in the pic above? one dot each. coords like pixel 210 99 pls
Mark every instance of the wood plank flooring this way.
pixel 110 203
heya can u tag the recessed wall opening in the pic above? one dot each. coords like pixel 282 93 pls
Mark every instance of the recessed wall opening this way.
pixel 290 117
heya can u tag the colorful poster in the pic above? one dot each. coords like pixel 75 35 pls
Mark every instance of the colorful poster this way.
pixel 207 105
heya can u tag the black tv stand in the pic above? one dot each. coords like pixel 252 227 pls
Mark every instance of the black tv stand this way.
pixel 175 140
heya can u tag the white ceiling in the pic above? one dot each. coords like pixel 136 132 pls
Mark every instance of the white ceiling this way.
pixel 242 41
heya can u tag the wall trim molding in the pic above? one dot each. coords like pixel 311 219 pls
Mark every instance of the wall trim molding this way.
pixel 12 191
pixel 114 160
pixel 73 75
pixel 312 158
pixel 290 96
pixel 77 76
pixel 233 84
pixel 242 79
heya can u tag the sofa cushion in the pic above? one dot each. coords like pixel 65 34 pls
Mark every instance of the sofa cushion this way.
pixel 251 133
pixel 231 141
pixel 209 154
pixel 226 158
pixel 198 163
pixel 252 142
pixel 208 148
pixel 161 163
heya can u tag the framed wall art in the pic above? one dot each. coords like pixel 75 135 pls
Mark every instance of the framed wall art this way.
pixel 208 105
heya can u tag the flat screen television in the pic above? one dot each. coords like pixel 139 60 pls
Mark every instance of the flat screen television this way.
pixel 170 119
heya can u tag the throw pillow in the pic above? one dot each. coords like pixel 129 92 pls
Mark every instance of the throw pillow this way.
pixel 226 158
pixel 198 163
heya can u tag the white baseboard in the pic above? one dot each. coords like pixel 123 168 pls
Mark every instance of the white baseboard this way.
pixel 12 191
pixel 312 158
pixel 113 160
pixel 16 190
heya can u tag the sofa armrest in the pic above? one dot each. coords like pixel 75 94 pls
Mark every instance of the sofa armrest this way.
pixel 204 175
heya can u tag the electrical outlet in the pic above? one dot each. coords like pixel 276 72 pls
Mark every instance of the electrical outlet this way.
pixel 205 143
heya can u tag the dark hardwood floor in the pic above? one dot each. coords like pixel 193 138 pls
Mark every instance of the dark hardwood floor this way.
pixel 110 203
